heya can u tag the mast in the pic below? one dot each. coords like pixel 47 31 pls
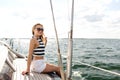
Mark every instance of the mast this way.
pixel 70 46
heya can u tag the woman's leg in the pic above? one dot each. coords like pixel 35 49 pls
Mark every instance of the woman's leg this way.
pixel 52 68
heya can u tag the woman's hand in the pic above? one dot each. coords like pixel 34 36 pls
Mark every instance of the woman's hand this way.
pixel 25 72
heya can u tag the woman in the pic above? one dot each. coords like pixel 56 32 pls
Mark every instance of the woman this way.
pixel 37 51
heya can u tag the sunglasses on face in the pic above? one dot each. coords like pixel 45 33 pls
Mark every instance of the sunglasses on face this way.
pixel 40 29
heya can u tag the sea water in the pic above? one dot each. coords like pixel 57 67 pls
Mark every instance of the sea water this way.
pixel 103 53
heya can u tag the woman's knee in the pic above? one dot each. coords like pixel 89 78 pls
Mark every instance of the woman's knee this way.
pixel 51 68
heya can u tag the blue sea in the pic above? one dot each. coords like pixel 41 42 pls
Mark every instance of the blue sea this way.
pixel 102 53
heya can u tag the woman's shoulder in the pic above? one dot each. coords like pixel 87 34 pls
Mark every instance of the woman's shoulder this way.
pixel 33 40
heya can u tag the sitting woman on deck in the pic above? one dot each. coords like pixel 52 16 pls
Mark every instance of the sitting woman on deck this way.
pixel 37 51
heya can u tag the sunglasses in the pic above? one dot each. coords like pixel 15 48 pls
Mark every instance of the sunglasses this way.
pixel 40 29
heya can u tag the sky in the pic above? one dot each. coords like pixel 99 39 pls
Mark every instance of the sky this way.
pixel 92 18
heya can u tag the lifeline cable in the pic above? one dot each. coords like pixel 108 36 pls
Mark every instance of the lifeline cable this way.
pixel 101 69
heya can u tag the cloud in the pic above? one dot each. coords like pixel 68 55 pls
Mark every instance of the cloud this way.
pixel 114 5
pixel 93 18
pixel 116 21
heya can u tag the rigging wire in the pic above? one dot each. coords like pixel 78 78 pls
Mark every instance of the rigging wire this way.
pixel 68 11
pixel 101 69
pixel 58 47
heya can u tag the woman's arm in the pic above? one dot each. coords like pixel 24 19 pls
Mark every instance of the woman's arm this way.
pixel 31 47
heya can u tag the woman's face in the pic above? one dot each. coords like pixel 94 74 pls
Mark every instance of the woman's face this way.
pixel 38 31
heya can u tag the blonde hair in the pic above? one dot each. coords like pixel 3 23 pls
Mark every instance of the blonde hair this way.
pixel 43 39
pixel 35 27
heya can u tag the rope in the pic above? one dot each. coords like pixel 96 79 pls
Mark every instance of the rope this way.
pixel 58 47
pixel 101 69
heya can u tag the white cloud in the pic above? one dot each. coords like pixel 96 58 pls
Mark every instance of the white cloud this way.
pixel 93 18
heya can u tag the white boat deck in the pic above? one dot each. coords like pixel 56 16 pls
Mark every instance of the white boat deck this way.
pixel 20 65
pixel 17 65
pixel 3 56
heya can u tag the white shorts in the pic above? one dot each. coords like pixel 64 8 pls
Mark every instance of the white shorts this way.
pixel 38 65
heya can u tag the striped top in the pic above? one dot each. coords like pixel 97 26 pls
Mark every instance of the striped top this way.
pixel 40 50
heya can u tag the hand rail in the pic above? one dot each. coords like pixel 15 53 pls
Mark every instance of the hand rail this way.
pixel 18 55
